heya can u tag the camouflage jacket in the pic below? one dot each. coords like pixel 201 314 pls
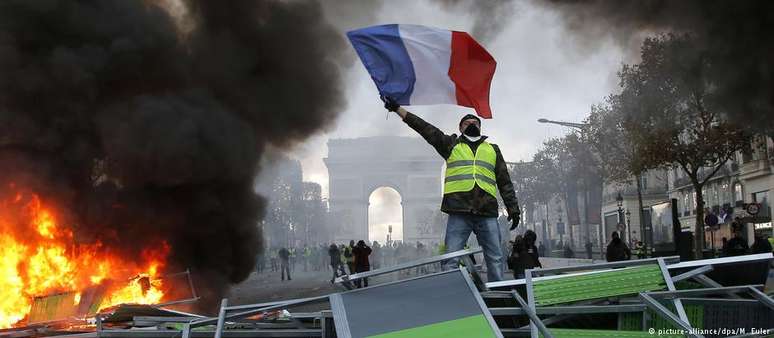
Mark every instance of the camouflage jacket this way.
pixel 477 201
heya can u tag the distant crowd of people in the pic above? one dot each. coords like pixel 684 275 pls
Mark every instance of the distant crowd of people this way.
pixel 737 245
pixel 341 259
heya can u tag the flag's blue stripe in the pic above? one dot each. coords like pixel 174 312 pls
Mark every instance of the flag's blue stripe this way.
pixel 384 55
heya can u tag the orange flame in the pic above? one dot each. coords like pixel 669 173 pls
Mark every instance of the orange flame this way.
pixel 39 256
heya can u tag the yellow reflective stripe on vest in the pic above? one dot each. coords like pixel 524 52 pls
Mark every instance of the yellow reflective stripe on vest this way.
pixel 464 170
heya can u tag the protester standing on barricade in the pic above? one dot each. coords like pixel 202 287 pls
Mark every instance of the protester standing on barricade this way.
pixel 475 171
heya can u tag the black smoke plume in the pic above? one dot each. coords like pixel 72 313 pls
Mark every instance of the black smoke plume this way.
pixel 489 17
pixel 147 126
pixel 736 36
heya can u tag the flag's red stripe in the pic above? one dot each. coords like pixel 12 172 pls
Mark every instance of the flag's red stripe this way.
pixel 471 70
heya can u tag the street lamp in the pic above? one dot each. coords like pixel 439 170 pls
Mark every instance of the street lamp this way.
pixel 580 126
pixel 560 225
pixel 629 225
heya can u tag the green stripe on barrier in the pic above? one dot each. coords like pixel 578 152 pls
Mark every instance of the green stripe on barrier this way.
pixel 612 283
pixel 473 326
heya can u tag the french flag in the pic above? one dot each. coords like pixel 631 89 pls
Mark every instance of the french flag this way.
pixel 424 65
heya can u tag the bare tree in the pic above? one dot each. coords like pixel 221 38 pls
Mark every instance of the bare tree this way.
pixel 671 101
pixel 611 132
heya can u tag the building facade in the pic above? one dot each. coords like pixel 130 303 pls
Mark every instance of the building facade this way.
pixel 747 178
pixel 627 221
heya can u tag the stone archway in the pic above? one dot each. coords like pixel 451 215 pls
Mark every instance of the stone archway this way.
pixel 356 167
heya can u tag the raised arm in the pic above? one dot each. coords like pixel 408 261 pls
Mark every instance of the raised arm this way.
pixel 435 137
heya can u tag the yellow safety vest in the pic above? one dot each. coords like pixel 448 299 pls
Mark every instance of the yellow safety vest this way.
pixel 464 170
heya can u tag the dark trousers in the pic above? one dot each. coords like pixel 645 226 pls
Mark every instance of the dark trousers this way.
pixel 285 267
pixel 363 282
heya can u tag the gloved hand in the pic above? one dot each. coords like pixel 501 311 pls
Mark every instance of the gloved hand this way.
pixel 515 219
pixel 390 104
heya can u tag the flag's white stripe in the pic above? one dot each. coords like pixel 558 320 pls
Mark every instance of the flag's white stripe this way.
pixel 430 53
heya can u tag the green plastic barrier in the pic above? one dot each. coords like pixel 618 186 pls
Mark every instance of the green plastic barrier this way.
pixel 617 282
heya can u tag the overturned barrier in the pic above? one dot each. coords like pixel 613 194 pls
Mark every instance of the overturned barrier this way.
pixel 662 294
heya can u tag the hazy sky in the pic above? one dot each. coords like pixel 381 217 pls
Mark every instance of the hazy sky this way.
pixel 542 71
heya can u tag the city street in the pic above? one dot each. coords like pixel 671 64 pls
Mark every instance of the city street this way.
pixel 599 168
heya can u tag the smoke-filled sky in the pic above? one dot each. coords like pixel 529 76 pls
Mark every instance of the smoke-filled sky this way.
pixel 543 71
pixel 145 126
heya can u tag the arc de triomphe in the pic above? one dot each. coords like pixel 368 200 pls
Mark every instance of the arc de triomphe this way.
pixel 357 167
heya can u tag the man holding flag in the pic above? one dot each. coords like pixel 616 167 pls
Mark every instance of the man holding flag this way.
pixel 411 65
pixel 475 171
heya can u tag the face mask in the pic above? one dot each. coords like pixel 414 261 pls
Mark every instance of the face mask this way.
pixel 472 130
pixel 472 139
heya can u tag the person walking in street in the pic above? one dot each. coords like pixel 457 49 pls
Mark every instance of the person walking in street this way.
pixel 421 252
pixel 294 256
pixel 589 247
pixel 343 258
pixel 517 249
pixel 524 254
pixel 376 262
pixel 475 171
pixel 274 259
pixel 760 245
pixel 568 253
pixel 361 251
pixel 737 246
pixel 284 255
pixel 260 264
pixel 336 266
pixel 349 258
pixel 322 254
pixel 307 257
pixel 617 249
pixel 639 250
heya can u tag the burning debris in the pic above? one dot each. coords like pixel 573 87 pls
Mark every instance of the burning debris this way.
pixel 39 256
pixel 130 137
